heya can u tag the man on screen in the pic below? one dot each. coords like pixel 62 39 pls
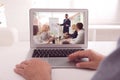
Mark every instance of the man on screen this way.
pixel 66 24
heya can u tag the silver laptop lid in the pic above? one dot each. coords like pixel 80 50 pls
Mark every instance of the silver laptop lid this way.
pixel 47 28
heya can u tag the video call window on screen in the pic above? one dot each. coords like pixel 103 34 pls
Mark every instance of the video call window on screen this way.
pixel 58 28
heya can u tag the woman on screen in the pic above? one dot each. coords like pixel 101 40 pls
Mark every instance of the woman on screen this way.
pixel 74 34
pixel 43 36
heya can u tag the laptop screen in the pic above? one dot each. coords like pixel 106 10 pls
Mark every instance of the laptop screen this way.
pixel 58 27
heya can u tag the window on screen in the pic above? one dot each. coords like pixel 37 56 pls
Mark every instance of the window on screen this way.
pixel 58 28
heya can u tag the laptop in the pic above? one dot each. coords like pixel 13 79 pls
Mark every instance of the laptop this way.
pixel 51 41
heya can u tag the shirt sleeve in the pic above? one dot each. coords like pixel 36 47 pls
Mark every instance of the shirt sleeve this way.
pixel 110 67
pixel 79 39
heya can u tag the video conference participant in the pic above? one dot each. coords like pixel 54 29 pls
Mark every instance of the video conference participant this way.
pixel 74 34
pixel 80 37
pixel 43 35
pixel 35 25
pixel 66 24
pixel 108 69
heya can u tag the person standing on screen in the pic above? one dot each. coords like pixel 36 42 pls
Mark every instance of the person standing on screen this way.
pixel 66 24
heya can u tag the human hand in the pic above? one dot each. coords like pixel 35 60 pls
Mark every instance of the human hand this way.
pixel 92 63
pixel 34 69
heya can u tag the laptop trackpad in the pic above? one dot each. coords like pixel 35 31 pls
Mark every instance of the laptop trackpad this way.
pixel 59 62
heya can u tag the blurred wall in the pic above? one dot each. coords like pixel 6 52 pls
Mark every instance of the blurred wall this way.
pixel 17 15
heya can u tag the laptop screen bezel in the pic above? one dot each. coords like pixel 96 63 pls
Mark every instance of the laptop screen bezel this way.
pixel 32 45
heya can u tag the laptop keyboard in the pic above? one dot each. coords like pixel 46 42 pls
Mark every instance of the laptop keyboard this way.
pixel 53 52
